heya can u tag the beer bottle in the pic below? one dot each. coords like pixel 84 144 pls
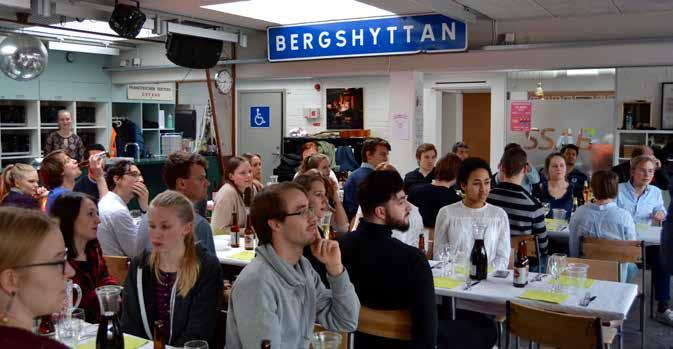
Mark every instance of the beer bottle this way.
pixel 521 265
pixel 586 194
pixel 266 344
pixel 249 235
pixel 421 243
pixel 159 335
pixel 235 231
pixel 574 204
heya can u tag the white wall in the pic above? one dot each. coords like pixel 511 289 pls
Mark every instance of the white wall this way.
pixel 300 93
pixel 642 83
pixel 579 83
pixel 452 117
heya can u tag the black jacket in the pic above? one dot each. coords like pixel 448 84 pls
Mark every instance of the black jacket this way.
pixel 387 274
pixel 193 317
pixel 415 178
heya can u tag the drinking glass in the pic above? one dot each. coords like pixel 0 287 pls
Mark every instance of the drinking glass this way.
pixel 576 274
pixel 325 224
pixel 196 344
pixel 559 214
pixel 326 340
pixel 545 208
pixel 68 326
pixel 555 267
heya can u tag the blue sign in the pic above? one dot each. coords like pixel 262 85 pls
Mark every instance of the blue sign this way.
pixel 260 117
pixel 367 37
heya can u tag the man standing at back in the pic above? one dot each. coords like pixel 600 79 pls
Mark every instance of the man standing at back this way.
pixel 279 296
pixel 525 213
pixel 388 274
pixel 185 172
pixel 374 152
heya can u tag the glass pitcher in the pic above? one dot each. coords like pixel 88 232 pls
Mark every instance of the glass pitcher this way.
pixel 69 288
pixel 109 334
pixel 478 256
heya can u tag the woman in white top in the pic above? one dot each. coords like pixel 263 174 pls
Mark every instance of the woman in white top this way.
pixel 454 225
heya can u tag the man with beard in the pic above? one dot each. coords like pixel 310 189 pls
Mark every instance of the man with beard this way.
pixel 279 296
pixel 386 273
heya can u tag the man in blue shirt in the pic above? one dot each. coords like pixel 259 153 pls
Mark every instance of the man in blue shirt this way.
pixel 646 205
pixel 374 152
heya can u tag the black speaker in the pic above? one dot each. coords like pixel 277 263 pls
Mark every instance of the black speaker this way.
pixel 127 20
pixel 193 52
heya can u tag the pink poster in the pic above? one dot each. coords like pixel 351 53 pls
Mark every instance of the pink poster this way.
pixel 521 116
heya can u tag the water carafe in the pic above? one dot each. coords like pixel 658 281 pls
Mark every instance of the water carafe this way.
pixel 109 334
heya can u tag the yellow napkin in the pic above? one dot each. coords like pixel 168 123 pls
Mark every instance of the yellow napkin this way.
pixel 245 256
pixel 460 269
pixel 130 342
pixel 554 224
pixel 565 281
pixel 444 282
pixel 549 297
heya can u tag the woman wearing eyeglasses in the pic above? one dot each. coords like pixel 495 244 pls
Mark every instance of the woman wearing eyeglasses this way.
pixel 78 218
pixel 178 282
pixel 33 271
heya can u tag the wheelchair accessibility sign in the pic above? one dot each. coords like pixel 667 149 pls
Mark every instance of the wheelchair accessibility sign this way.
pixel 260 117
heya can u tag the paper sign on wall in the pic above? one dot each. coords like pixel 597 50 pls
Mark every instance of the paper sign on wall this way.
pixel 521 113
pixel 400 126
pixel 151 92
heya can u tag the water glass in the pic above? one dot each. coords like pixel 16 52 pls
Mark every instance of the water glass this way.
pixel 555 267
pixel 325 224
pixel 326 340
pixel 576 276
pixel 68 326
pixel 559 214
pixel 545 208
pixel 196 344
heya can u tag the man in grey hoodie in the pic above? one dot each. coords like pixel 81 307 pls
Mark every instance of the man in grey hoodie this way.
pixel 279 296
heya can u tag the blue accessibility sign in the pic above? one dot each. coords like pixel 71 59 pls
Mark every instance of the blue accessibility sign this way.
pixel 260 117
pixel 430 33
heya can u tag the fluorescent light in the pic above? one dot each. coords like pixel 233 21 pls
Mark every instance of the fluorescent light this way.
pixel 582 72
pixel 86 25
pixel 64 46
pixel 299 11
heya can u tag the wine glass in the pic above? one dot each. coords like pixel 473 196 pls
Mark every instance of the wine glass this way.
pixel 555 266
pixel 545 208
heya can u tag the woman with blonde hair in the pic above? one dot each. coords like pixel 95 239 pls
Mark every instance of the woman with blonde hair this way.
pixel 33 272
pixel 178 282
pixel 19 187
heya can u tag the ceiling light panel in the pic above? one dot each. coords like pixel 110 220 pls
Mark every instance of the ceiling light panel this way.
pixel 299 11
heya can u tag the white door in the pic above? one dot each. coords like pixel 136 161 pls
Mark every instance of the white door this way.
pixel 260 127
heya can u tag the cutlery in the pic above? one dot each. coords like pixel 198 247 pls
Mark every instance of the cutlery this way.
pixel 538 278
pixel 439 265
pixel 587 299
pixel 469 286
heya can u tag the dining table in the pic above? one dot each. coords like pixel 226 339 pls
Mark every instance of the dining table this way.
pixel 612 301
pixel 558 230
pixel 87 339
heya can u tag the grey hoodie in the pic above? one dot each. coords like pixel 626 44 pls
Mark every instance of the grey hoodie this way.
pixel 273 300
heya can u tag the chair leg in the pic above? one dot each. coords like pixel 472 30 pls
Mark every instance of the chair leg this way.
pixel 621 336
pixel 652 296
pixel 507 340
pixel 516 342
pixel 642 320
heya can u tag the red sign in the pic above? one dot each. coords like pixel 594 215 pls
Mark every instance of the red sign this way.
pixel 521 116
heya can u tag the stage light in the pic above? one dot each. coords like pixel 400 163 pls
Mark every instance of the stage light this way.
pixel 127 20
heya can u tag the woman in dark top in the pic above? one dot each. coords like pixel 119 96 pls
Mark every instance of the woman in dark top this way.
pixel 557 191
pixel 78 217
pixel 64 138
pixel 180 283
pixel 318 188
pixel 430 198
pixel 426 156
pixel 19 187
pixel 34 270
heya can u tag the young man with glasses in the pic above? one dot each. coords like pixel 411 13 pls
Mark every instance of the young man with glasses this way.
pixel 387 273
pixel 117 231
pixel 279 296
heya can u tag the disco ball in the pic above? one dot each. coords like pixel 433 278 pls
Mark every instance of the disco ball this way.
pixel 22 57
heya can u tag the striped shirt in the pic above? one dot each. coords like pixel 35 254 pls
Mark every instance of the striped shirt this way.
pixel 525 213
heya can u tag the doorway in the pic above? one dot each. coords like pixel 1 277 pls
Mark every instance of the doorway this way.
pixel 260 124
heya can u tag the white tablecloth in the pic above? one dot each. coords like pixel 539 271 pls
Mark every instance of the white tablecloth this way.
pixel 224 251
pixel 88 334
pixel 651 235
pixel 613 299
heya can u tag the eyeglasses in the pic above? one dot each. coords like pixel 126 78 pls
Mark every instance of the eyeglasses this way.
pixel 306 213
pixel 61 263
pixel 133 174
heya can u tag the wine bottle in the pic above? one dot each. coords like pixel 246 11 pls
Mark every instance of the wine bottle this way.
pixel 521 265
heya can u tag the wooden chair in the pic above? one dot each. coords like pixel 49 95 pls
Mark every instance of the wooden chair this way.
pixel 118 267
pixel 554 329
pixel 620 251
pixel 392 324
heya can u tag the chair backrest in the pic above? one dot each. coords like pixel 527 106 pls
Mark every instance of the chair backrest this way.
pixel 118 267
pixel 599 270
pixel 557 330
pixel 392 324
pixel 622 251
pixel 531 244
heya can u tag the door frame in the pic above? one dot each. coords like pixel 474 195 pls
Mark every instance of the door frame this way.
pixel 283 93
